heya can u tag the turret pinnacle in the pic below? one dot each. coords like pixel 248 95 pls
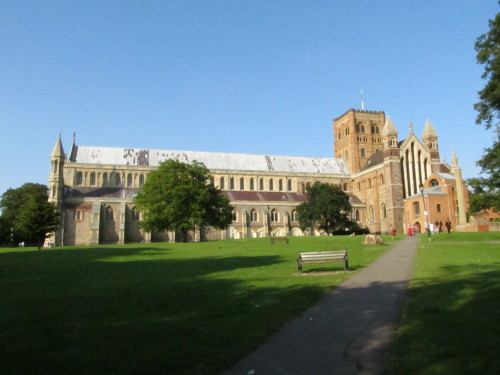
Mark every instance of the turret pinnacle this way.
pixel 429 131
pixel 389 128
pixel 58 150
pixel 454 160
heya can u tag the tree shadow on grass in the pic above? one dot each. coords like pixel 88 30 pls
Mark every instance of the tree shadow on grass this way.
pixel 72 312
pixel 451 327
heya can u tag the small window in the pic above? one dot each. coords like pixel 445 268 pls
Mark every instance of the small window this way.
pixel 384 211
pixel 289 185
pixel 134 215
pixel 271 184
pixel 261 184
pixel 280 185
pixel 242 183
pixel 253 215
pixel 78 215
pixel 92 179
pixel 234 215
pixel 129 180
pixel 252 187
pixel 438 208
pixel 294 215
pixel 231 183
pixel 105 181
pixel 416 208
pixel 274 215
pixel 110 215
pixel 345 186
pixel 79 179
pixel 363 153
pixel 221 183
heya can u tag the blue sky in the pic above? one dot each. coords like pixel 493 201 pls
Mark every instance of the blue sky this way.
pixel 262 77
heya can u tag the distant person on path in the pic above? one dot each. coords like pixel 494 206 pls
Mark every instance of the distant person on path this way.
pixel 448 225
pixel 410 231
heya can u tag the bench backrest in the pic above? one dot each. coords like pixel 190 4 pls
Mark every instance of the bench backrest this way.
pixel 334 254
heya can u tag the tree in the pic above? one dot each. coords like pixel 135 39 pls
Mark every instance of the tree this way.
pixel 180 196
pixel 486 190
pixel 327 207
pixel 29 214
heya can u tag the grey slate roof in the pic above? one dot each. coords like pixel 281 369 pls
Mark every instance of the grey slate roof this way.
pixel 212 160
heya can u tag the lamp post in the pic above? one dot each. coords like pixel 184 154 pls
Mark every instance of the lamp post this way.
pixel 421 187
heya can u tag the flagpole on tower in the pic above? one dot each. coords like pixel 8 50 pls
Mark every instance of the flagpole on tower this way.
pixel 362 101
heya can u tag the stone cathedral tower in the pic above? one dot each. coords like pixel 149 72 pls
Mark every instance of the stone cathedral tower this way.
pixel 56 181
pixel 357 136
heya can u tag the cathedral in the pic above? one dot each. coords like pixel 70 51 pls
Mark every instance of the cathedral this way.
pixel 389 181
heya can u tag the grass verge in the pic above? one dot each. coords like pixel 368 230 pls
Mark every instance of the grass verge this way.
pixel 157 308
pixel 450 324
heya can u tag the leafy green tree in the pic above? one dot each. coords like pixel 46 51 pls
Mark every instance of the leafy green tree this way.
pixel 179 196
pixel 327 207
pixel 29 214
pixel 486 190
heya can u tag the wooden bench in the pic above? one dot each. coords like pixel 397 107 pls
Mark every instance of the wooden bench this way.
pixel 320 257
pixel 279 239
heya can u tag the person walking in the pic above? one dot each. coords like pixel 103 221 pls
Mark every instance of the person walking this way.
pixel 448 225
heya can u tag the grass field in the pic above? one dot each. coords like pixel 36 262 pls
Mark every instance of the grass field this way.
pixel 451 323
pixel 156 308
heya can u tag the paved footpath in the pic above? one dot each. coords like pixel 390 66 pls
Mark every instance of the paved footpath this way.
pixel 347 332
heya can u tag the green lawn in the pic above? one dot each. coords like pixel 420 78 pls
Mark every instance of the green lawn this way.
pixel 156 308
pixel 452 320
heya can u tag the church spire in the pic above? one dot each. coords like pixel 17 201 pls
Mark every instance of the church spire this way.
pixel 389 128
pixel 454 160
pixel 429 131
pixel 58 150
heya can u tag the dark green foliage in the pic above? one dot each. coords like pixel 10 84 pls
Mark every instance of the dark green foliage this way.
pixel 327 207
pixel 178 196
pixel 486 190
pixel 488 54
pixel 28 214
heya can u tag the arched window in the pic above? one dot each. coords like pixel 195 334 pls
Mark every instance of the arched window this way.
pixel 141 180
pixel 294 215
pixel 110 213
pixel 289 183
pixel 434 182
pixel 271 184
pixel 381 178
pixel 372 214
pixel 78 215
pixel 134 215
pixel 357 216
pixel 221 183
pixel 253 215
pixel 118 181
pixel 79 179
pixel 362 128
pixel 261 184
pixel 369 183
pixel 345 186
pixel 252 187
pixel 280 185
pixel 234 215
pixel 359 186
pixel 231 183
pixel 129 180
pixel 92 179
pixel 393 142
pixel 416 208
pixel 242 183
pixel 363 153
pixel 383 210
pixel 274 215
pixel 105 181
